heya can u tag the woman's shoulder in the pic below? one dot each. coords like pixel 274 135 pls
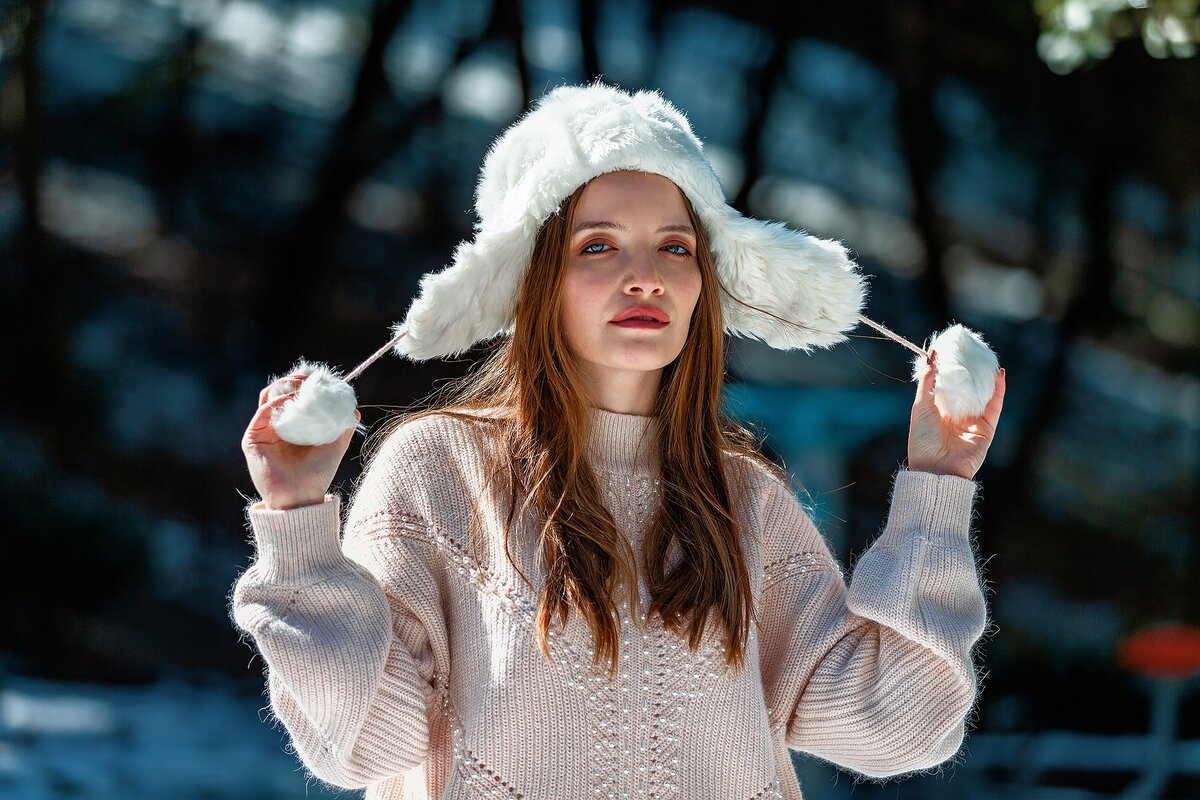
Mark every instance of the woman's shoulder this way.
pixel 754 473
pixel 442 435
pixel 425 455
pixel 770 504
pixel 764 490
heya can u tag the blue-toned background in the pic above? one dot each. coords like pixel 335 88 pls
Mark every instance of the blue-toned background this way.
pixel 195 193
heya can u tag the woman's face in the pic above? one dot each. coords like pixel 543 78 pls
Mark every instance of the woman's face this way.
pixel 633 252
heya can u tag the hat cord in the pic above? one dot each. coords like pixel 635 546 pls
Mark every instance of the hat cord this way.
pixel 374 356
pixel 379 353
pixel 894 336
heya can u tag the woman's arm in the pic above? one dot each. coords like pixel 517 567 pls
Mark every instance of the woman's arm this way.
pixel 878 678
pixel 349 642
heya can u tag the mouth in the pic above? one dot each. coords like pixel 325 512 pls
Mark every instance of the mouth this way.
pixel 640 322
pixel 647 317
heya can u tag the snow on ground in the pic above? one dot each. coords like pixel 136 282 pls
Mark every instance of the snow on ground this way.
pixel 172 739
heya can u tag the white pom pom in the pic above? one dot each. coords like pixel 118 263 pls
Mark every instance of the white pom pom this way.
pixel 966 371
pixel 321 411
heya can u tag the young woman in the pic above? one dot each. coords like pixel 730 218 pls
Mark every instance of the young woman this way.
pixel 578 578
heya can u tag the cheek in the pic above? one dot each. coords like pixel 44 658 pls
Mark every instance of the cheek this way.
pixel 577 305
pixel 690 288
pixel 584 292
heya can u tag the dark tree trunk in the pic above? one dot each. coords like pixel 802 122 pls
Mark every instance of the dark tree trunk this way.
pixel 914 42
pixel 29 142
pixel 36 306
pixel 589 31
pixel 508 22
pixel 756 124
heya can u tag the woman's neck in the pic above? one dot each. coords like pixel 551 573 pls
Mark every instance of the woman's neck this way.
pixel 622 391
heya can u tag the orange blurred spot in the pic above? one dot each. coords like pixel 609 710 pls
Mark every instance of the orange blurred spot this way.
pixel 1167 650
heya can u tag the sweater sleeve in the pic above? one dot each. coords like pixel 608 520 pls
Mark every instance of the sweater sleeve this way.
pixel 877 678
pixel 351 631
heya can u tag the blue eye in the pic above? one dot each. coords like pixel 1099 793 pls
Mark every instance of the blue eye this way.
pixel 681 247
pixel 594 244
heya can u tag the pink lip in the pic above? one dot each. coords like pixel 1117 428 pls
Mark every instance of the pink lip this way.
pixel 638 323
pixel 625 318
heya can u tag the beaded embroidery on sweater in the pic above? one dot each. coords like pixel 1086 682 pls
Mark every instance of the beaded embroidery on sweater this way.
pixel 400 662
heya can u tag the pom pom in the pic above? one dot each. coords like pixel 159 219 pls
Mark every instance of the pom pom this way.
pixel 321 411
pixel 966 371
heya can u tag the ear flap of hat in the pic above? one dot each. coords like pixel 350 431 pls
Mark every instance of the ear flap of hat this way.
pixel 471 300
pixel 810 282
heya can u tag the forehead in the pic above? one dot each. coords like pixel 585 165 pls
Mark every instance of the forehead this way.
pixel 633 193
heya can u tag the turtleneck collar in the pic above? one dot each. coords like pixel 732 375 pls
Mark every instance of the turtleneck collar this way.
pixel 622 442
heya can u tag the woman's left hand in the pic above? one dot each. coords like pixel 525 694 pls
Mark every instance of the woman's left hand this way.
pixel 939 444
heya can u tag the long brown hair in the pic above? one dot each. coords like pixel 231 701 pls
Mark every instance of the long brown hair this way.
pixel 529 390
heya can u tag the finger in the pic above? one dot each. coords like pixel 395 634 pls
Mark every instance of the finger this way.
pixel 262 417
pixel 265 394
pixel 992 411
pixel 926 380
pixel 282 385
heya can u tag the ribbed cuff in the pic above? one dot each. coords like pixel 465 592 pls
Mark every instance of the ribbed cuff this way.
pixel 298 544
pixel 401 701
pixel 936 507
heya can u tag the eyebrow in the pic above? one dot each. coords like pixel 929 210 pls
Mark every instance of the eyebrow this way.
pixel 606 225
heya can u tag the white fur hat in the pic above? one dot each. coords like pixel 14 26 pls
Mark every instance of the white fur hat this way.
pixel 575 133
pixel 571 135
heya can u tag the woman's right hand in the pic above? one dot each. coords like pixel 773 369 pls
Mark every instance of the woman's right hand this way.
pixel 289 475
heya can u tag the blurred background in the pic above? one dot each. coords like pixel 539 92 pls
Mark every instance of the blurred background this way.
pixel 195 193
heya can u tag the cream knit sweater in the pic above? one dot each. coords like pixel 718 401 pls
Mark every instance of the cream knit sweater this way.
pixel 402 660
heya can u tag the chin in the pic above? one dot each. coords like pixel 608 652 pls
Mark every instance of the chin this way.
pixel 639 357
pixel 643 362
pixel 643 366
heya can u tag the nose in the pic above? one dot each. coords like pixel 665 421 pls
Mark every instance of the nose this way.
pixel 643 277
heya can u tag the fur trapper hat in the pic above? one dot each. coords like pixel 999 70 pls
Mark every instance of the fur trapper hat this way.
pixel 575 133
pixel 570 136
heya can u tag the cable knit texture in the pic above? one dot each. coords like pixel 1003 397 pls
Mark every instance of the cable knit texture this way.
pixel 400 652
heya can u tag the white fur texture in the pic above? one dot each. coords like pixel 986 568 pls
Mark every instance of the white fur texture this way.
pixel 571 135
pixel 321 411
pixel 966 371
